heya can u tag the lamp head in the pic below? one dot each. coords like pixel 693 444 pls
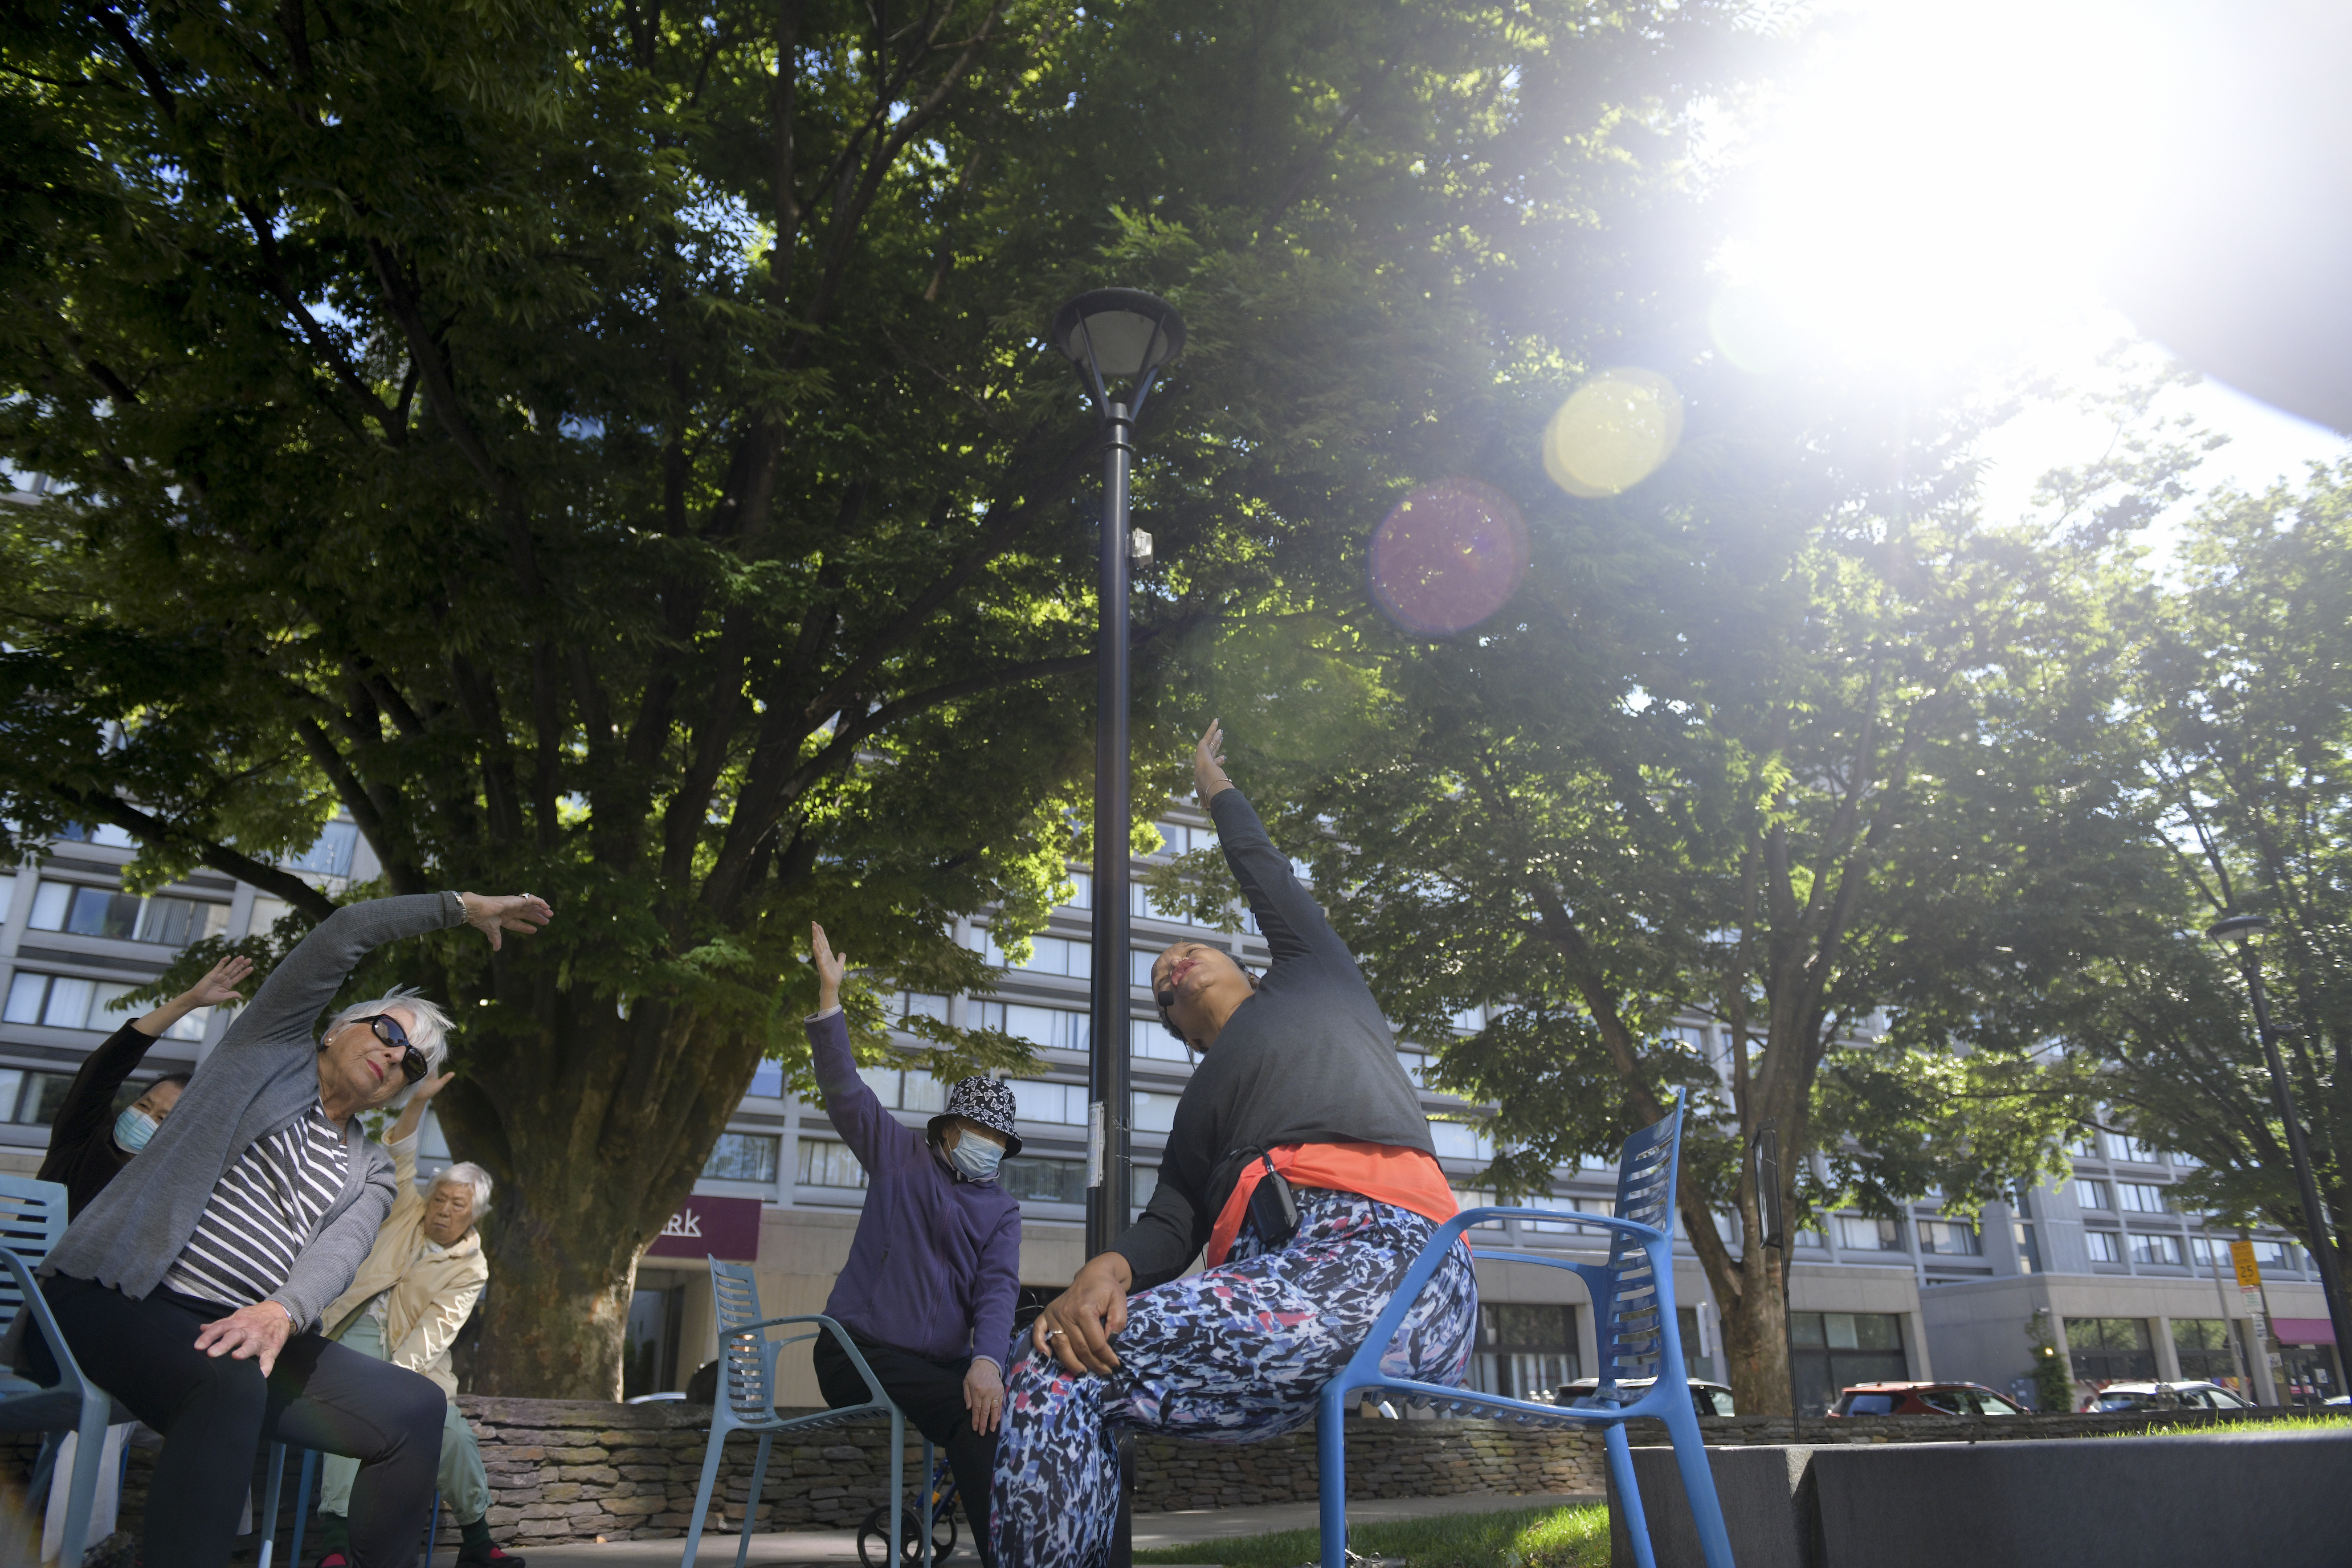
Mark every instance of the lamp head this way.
pixel 1118 334
pixel 2238 925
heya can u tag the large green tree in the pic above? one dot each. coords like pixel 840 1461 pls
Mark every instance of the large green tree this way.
pixel 606 448
pixel 2237 730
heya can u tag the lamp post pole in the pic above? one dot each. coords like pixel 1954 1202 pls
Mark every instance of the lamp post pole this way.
pixel 1113 335
pixel 1109 1172
pixel 2243 927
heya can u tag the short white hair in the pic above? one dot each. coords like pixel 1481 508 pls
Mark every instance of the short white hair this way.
pixel 466 1173
pixel 428 1029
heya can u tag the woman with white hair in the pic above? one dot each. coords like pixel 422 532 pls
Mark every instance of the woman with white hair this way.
pixel 191 1288
pixel 412 1296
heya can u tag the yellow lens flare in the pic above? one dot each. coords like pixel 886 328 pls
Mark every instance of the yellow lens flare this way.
pixel 1613 433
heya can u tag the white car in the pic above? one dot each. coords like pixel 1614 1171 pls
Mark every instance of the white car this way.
pixel 2196 1395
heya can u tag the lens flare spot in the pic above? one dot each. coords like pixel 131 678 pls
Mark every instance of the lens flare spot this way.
pixel 1612 432
pixel 1448 557
pixel 1750 329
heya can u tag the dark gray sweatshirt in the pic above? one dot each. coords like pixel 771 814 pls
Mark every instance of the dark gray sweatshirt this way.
pixel 262 1075
pixel 1307 1060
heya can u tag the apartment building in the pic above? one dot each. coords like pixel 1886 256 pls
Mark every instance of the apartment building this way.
pixel 2126 1277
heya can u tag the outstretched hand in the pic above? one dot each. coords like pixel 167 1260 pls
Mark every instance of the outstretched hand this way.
pixel 521 913
pixel 220 982
pixel 830 968
pixel 1209 764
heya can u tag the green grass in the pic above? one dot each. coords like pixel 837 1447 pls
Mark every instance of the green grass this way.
pixel 1525 1538
pixel 2227 1428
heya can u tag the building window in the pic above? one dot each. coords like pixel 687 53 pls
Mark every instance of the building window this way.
pixel 743 1157
pixel 70 1002
pixel 1030 1180
pixel 906 1089
pixel 2134 1150
pixel 1473 1198
pixel 2028 1250
pixel 824 1163
pixel 1458 1140
pixel 2083 1148
pixel 1949 1239
pixel 125 916
pixel 767 1081
pixel 1146 1038
pixel 31 1098
pixel 2203 1347
pixel 1034 1099
pixel 2141 1197
pixel 2094 1195
pixel 1697 1365
pixel 1155 1112
pixel 2103 1247
pixel 2104 1349
pixel 1859 1234
pixel 1836 1350
pixel 906 1005
pixel 2162 1250
pixel 1053 1028
pixel 1525 1350
pixel 1047 955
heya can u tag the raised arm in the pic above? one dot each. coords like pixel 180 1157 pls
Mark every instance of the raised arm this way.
pixel 1287 912
pixel 872 1133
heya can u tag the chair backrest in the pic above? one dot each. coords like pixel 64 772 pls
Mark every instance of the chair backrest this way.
pixel 742 1357
pixel 32 1219
pixel 1633 1346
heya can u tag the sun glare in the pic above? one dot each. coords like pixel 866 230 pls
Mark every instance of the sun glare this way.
pixel 1942 181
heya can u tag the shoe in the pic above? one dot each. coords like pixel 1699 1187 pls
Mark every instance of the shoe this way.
pixel 488 1557
pixel 334 1559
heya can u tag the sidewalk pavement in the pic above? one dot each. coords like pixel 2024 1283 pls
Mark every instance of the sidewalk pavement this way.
pixel 834 1548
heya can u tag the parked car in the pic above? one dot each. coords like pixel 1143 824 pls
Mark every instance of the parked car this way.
pixel 1924 1399
pixel 2191 1394
pixel 1707 1399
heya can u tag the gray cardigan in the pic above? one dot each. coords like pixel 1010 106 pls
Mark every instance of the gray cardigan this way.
pixel 263 1076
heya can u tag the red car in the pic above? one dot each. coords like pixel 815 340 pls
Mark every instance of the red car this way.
pixel 1925 1399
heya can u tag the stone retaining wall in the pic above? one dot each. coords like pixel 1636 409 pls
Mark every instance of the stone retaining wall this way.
pixel 568 1470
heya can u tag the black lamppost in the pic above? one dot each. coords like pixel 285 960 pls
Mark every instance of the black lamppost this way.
pixel 2243 928
pixel 1113 335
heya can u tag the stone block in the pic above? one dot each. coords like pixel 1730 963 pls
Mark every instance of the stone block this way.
pixel 1766 1495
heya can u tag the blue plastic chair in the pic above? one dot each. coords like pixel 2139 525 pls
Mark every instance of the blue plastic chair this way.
pixel 747 1402
pixel 1633 1306
pixel 308 1478
pixel 32 1219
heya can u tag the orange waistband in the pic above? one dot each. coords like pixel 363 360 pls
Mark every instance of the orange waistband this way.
pixel 1385 1172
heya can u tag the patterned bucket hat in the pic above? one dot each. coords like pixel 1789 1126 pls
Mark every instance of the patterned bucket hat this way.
pixel 985 1101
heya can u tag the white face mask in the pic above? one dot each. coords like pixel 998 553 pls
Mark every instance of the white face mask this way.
pixel 975 1157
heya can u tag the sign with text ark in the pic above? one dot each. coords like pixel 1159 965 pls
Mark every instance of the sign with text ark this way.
pixel 2250 1273
pixel 724 1228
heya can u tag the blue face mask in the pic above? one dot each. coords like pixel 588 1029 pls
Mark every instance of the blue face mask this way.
pixel 133 1127
pixel 976 1158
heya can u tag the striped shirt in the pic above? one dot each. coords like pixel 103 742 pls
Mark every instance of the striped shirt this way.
pixel 263 1212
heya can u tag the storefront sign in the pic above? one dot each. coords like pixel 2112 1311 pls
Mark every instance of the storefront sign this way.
pixel 724 1228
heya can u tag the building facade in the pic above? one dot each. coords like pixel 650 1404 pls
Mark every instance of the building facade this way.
pixel 2127 1279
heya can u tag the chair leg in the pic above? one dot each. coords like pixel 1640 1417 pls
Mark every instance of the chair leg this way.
pixel 896 1504
pixel 923 1516
pixel 1331 1479
pixel 752 1497
pixel 432 1529
pixel 90 1452
pixel 1629 1494
pixel 710 1457
pixel 302 1485
pixel 1698 1485
pixel 266 1525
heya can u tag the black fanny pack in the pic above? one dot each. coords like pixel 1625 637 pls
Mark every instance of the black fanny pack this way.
pixel 1273 1211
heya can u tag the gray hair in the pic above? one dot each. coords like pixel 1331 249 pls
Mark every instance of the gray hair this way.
pixel 466 1173
pixel 428 1029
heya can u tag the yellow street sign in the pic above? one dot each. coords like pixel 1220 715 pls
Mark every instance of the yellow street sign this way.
pixel 2250 1273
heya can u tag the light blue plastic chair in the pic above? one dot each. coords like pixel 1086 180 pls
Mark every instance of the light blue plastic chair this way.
pixel 32 1219
pixel 267 1527
pixel 747 1402
pixel 1634 1311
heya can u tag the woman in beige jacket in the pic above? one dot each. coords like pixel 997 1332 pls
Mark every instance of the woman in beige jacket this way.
pixel 405 1305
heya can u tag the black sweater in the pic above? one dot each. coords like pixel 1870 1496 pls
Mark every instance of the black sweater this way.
pixel 82 1152
pixel 1307 1060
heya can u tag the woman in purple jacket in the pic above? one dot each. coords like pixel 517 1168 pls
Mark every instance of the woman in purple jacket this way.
pixel 929 1291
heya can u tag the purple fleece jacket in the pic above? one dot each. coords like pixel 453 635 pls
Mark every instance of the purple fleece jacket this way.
pixel 935 1264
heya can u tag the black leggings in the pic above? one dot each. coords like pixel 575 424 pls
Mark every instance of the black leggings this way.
pixel 215 1413
pixel 931 1393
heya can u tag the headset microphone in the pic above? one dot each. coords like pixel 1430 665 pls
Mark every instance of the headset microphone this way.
pixel 1165 998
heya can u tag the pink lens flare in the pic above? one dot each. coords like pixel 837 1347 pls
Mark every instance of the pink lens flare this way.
pixel 1448 557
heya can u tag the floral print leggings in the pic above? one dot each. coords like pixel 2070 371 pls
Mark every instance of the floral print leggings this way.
pixel 1234 1354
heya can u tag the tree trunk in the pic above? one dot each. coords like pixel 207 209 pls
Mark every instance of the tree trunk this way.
pixel 594 1127
pixel 1755 1336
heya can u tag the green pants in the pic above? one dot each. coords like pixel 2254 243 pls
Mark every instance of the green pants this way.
pixel 464 1485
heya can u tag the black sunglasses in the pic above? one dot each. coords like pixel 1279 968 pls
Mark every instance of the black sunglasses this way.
pixel 387 1029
